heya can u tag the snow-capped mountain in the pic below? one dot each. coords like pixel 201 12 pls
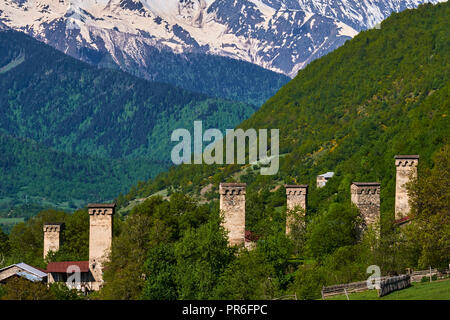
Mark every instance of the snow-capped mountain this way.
pixel 280 35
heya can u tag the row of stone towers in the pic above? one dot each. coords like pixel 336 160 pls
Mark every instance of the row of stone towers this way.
pixel 100 238
pixel 365 195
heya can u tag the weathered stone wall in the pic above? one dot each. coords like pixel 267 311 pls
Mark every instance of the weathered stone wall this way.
pixel 296 197
pixel 50 278
pixel 232 203
pixel 366 196
pixel 9 272
pixel 52 238
pixel 100 238
pixel 406 169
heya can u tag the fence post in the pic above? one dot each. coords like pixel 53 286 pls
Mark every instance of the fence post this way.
pixel 430 274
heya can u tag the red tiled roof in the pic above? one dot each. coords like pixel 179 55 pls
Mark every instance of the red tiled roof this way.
pixel 40 269
pixel 62 267
pixel 402 220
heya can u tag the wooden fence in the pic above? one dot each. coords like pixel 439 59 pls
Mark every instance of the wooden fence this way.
pixel 414 276
pixel 345 288
pixel 393 284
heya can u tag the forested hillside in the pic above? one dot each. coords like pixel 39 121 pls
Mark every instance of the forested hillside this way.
pixel 74 107
pixel 385 92
pixel 214 76
pixel 88 113
pixel 33 173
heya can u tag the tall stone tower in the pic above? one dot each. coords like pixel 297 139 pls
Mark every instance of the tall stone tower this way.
pixel 406 169
pixel 296 198
pixel 100 238
pixel 232 203
pixel 52 237
pixel 366 196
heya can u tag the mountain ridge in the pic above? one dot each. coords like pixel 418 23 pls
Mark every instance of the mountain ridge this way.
pixel 74 110
pixel 280 35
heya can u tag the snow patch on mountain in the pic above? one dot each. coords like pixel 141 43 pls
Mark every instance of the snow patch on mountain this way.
pixel 280 35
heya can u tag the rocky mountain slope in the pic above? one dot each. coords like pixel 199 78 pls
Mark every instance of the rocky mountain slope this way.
pixel 280 35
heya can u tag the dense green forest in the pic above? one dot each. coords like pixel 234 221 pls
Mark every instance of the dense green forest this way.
pixel 34 174
pixel 214 76
pixel 385 92
pixel 77 108
pixel 87 116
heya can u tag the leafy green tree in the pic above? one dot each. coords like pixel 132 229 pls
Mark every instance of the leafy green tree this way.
pixel 160 268
pixel 308 282
pixel 60 291
pixel 249 276
pixel 124 273
pixel 146 228
pixel 277 249
pixel 201 257
pixel 337 227
pixel 22 289
pixel 346 264
pixel 5 248
pixel 430 211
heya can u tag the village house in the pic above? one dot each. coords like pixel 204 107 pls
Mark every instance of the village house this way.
pixel 322 179
pixel 22 270
pixel 85 276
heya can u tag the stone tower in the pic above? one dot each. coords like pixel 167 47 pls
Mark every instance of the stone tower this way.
pixel 406 169
pixel 296 198
pixel 366 196
pixel 100 238
pixel 52 237
pixel 232 203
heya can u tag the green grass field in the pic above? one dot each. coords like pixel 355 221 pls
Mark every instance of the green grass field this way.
pixel 436 290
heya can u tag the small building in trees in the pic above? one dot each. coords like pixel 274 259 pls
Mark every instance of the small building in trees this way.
pixel 84 275
pixel 22 270
pixel 76 274
pixel 323 179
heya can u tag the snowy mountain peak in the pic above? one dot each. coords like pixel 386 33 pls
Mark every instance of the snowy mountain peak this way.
pixel 281 35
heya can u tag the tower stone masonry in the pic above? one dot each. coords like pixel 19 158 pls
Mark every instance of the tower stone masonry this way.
pixel 406 170
pixel 366 197
pixel 296 197
pixel 52 237
pixel 232 203
pixel 100 238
